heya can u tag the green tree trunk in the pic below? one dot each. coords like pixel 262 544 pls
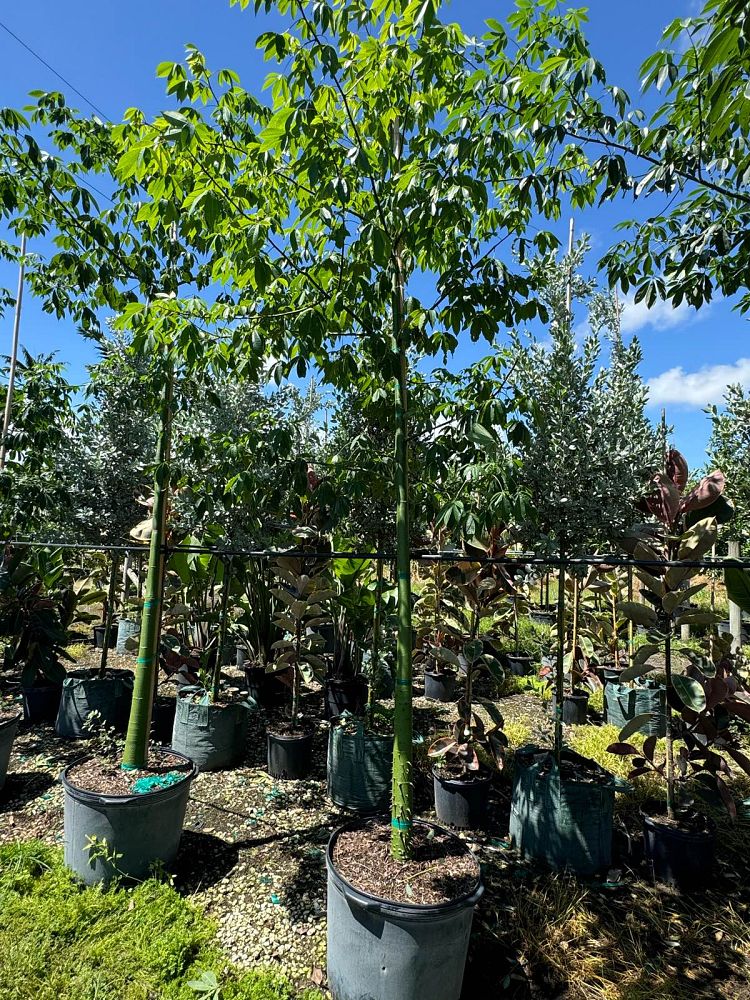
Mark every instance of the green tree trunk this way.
pixel 402 805
pixel 147 664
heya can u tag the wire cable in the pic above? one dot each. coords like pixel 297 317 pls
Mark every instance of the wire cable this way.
pixel 53 70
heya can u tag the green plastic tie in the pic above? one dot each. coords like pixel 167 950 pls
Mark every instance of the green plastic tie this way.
pixel 401 824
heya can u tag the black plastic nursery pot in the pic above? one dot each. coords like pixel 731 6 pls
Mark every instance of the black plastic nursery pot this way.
pixel 440 685
pixel 266 689
pixel 139 830
pixel 462 802
pixel 543 616
pixel 162 718
pixel 212 736
pixel 8 730
pixel 574 708
pixel 683 858
pixel 359 769
pixel 99 631
pixel 519 664
pixel 622 703
pixel 563 823
pixel 345 695
pixel 381 950
pixel 290 756
pixel 41 702
pixel 609 673
pixel 83 691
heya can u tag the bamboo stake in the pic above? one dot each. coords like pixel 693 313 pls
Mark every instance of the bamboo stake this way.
pixel 13 356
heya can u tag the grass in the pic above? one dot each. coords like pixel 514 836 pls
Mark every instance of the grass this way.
pixel 58 940
pixel 77 650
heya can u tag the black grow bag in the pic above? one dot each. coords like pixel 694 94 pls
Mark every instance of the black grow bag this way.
pixel 683 858
pixel 565 824
pixel 359 769
pixel 622 703
pixel 212 736
pixel 440 685
pixel 83 691
pixel 8 730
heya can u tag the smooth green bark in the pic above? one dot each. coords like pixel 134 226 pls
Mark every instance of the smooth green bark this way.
pixel 402 804
pixel 147 664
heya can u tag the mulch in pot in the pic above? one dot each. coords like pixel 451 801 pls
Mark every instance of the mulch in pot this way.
pixel 105 776
pixel 442 868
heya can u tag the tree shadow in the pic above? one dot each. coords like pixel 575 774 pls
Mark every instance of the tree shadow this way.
pixel 22 787
pixel 203 860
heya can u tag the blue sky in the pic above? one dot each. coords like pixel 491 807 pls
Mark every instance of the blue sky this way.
pixel 110 51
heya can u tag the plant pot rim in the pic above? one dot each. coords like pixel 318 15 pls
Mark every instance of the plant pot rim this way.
pixel 289 738
pixel 6 723
pixel 48 686
pixel 532 751
pixel 427 909
pixel 354 679
pixel 519 656
pixel 102 798
pixel 656 822
pixel 484 777
pixel 442 673
pixel 90 674
pixel 368 734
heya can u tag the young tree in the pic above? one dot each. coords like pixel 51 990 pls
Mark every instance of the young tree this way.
pixel 729 449
pixel 33 494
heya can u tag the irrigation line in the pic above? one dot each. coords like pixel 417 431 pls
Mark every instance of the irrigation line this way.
pixel 520 559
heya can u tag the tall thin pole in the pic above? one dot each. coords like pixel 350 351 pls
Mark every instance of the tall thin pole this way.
pixel 569 285
pixel 13 354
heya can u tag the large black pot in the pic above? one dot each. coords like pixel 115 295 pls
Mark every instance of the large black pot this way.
pixel 8 730
pixel 573 709
pixel 137 831
pixel 678 857
pixel 462 802
pixel 290 756
pixel 266 689
pixel 519 664
pixel 440 685
pixel 381 950
pixel 41 702
pixel 347 695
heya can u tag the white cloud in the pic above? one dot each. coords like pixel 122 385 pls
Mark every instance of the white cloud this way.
pixel 699 388
pixel 661 316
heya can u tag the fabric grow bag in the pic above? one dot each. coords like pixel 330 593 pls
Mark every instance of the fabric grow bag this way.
pixel 565 824
pixel 380 950
pixel 359 769
pixel 212 736
pixel 623 703
pixel 83 691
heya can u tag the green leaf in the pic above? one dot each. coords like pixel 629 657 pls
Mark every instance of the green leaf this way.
pixel 699 540
pixel 637 670
pixel 483 438
pixel 675 598
pixel 690 692
pixel 640 614
pixel 738 586
pixel 635 725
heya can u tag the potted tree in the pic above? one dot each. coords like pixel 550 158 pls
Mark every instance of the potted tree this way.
pixel 34 610
pixel 579 637
pixel 360 748
pixel 429 611
pixel 518 660
pixel 303 587
pixel 211 719
pixel 345 686
pixel 103 689
pixel 678 841
pixel 461 781
pixel 252 624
